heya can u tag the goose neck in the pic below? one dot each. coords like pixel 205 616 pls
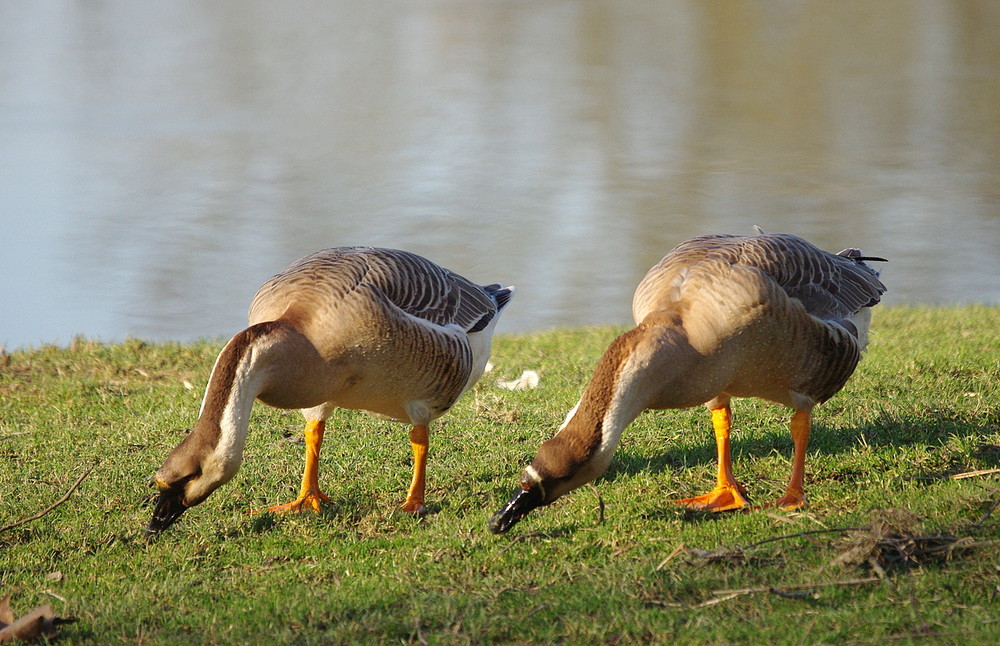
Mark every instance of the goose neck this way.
pixel 240 374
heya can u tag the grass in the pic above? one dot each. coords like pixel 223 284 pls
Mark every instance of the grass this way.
pixel 885 457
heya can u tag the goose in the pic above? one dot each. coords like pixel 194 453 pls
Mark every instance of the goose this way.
pixel 381 330
pixel 720 316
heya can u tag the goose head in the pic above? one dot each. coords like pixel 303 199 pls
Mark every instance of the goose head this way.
pixel 559 467
pixel 188 476
pixel 582 448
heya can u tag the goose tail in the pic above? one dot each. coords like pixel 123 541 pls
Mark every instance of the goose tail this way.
pixel 500 295
pixel 859 322
pixel 860 258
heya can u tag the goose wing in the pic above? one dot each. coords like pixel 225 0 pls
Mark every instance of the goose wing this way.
pixel 427 291
pixel 829 286
pixel 408 282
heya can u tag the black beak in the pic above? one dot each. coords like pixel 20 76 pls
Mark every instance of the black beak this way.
pixel 516 508
pixel 169 507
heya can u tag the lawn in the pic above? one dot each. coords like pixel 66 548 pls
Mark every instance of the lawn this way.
pixel 900 542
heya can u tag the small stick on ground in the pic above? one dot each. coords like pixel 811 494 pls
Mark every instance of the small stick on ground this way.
pixel 979 523
pixel 53 505
pixel 786 589
pixel 600 504
pixel 834 530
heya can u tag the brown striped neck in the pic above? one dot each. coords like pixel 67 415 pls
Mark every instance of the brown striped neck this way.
pixel 620 388
pixel 211 454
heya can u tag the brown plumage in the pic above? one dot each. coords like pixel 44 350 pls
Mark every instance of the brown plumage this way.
pixel 721 316
pixel 381 330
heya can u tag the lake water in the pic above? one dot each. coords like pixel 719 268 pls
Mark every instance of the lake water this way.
pixel 159 160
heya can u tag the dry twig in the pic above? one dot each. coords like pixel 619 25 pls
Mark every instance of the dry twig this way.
pixel 979 523
pixel 53 505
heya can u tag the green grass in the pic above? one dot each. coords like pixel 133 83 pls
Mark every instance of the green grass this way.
pixel 922 407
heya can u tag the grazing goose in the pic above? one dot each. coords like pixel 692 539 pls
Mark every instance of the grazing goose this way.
pixel 721 316
pixel 355 327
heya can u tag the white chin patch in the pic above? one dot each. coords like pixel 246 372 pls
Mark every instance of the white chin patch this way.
pixel 530 470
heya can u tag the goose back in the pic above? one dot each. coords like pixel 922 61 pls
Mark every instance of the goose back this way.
pixel 392 326
pixel 771 315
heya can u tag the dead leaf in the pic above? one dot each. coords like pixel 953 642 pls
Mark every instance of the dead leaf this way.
pixel 37 623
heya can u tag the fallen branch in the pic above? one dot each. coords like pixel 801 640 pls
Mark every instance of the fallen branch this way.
pixel 55 504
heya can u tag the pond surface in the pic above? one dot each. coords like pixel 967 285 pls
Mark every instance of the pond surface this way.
pixel 161 160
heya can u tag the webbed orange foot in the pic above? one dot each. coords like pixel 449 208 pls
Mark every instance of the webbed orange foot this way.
pixel 413 506
pixel 312 499
pixel 718 499
pixel 791 501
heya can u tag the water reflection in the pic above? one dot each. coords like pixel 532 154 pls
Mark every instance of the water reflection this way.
pixel 163 159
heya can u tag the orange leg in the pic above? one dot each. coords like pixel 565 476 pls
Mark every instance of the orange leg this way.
pixel 728 493
pixel 795 497
pixel 415 497
pixel 310 496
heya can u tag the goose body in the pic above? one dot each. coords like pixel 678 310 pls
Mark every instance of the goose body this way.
pixel 381 330
pixel 721 316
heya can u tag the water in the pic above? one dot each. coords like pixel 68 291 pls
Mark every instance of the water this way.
pixel 161 160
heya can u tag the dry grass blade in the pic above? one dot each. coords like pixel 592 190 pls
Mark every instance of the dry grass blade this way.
pixel 974 474
pixel 677 550
pixel 793 591
pixel 796 591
